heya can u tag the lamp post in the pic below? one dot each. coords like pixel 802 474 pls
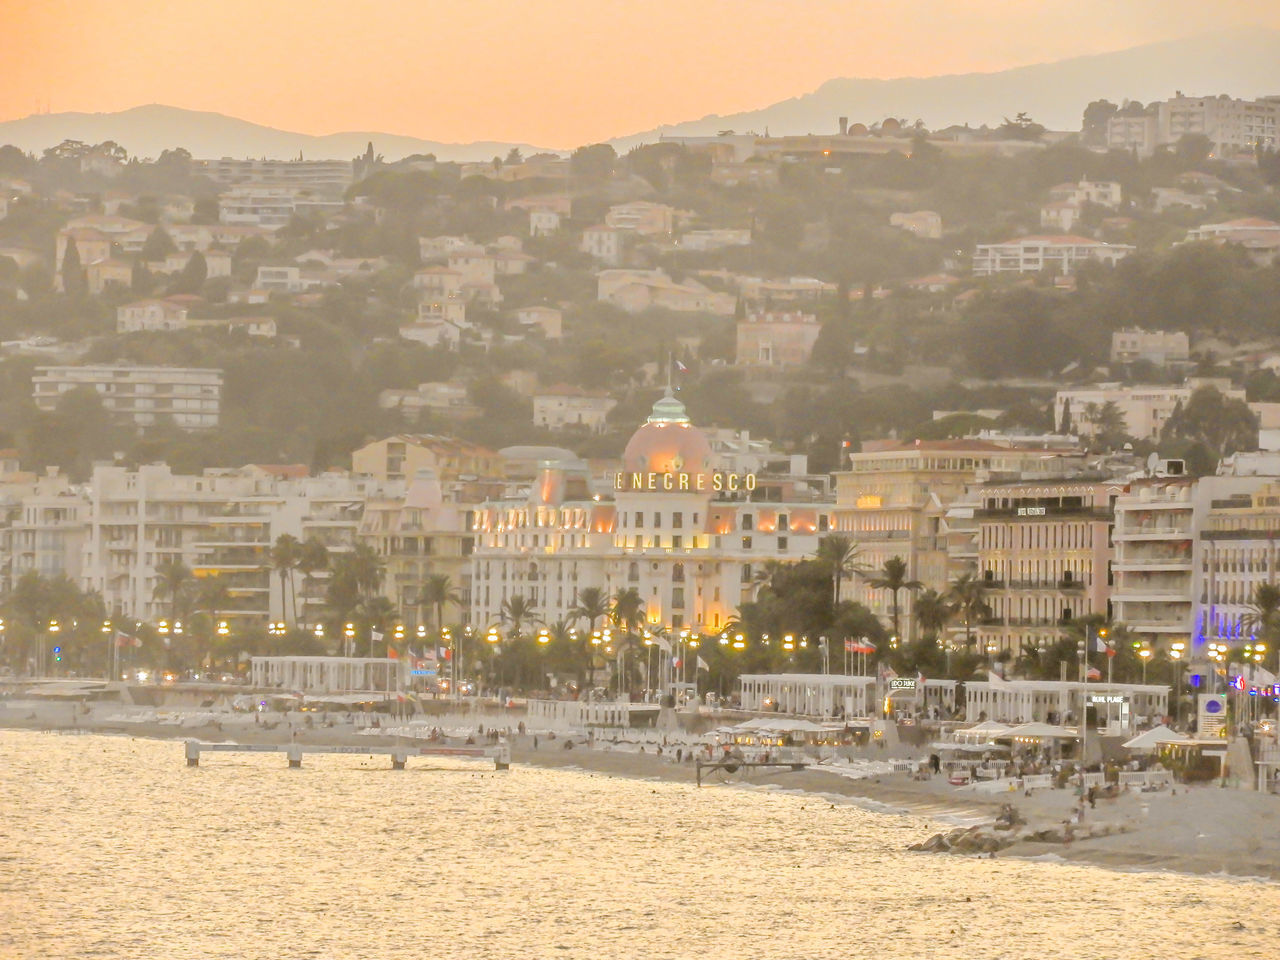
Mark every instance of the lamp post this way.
pixel 54 627
pixel 1145 654
pixel 349 639
pixel 1176 651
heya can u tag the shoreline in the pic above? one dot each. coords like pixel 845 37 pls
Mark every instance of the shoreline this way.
pixel 1189 830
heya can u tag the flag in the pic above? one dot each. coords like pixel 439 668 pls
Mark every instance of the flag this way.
pixel 677 663
pixel 1093 673
pixel 392 653
pixel 920 679
pixel 888 673
pixel 123 639
pixel 663 644
pixel 995 679
pixel 1102 646
pixel 848 646
pixel 861 646
pixel 376 635
pixel 702 664
pixel 681 368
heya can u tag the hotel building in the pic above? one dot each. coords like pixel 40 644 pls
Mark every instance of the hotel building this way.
pixel 688 536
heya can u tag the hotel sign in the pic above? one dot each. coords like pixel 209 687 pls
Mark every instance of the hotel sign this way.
pixel 682 482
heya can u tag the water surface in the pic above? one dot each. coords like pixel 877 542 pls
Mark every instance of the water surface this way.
pixel 113 848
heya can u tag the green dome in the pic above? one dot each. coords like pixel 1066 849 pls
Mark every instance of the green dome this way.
pixel 668 410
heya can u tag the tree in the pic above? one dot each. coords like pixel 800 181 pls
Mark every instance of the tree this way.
pixel 933 611
pixel 1021 127
pixel 518 610
pixel 627 611
pixel 1263 616
pixel 158 246
pixel 285 553
pixel 968 596
pixel 193 275
pixel 1108 424
pixel 1093 128
pixel 312 558
pixel 436 591
pixel 73 280
pixel 594 163
pixel 1224 426
pixel 840 555
pixel 591 605
pixel 172 577
pixel 142 281
pixel 894 579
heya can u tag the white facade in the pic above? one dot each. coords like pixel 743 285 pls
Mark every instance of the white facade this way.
pixel 150 315
pixel 1146 409
pixel 1154 346
pixel 602 243
pixel 573 409
pixel 191 396
pixel 1059 254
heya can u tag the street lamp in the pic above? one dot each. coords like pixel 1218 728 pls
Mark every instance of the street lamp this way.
pixel 1176 650
pixel 349 638
pixel 1145 654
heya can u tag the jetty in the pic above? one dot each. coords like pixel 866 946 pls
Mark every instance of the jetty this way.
pixel 500 754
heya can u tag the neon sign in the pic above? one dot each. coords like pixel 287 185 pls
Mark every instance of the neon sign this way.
pixel 683 482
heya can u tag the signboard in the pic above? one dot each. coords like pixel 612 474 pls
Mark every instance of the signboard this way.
pixel 1107 698
pixel 1031 511
pixel 1211 715
pixel 683 482
pixel 423 673
pixel 903 684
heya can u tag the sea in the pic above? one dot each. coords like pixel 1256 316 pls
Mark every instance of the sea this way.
pixel 111 847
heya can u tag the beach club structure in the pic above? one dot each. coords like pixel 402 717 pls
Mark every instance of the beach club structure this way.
pixel 314 675
pixel 1117 707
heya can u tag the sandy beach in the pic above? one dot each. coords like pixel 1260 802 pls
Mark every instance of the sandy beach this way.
pixel 1203 829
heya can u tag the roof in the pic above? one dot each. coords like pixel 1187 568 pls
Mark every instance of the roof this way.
pixel 567 390
pixel 283 471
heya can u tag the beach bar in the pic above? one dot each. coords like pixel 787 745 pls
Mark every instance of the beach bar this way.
pixel 809 694
pixel 1117 707
pixel 328 674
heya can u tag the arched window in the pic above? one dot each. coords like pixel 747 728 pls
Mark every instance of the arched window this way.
pixel 633 571
pixel 677 573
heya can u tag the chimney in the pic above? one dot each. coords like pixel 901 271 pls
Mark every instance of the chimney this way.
pixel 844 126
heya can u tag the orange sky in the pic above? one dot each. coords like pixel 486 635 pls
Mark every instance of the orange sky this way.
pixel 551 72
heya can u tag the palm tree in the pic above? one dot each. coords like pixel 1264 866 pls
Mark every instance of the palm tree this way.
pixel 172 577
pixel 1263 616
pixel 591 605
pixel 436 591
pixel 285 554
pixel 894 579
pixel 840 554
pixel 933 612
pixel 627 611
pixel 312 558
pixel 517 610
pixel 968 595
pixel 766 575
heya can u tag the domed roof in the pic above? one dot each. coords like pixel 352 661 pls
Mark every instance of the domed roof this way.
pixel 668 443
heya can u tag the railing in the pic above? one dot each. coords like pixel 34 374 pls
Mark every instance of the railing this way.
pixel 1146 778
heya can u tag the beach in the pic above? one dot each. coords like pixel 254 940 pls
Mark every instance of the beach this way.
pixel 1202 829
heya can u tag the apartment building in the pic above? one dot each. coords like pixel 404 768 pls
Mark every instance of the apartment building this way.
pixel 564 407
pixel 1157 347
pixel 151 316
pixel 894 498
pixel 1230 124
pixel 1044 553
pixel 43 523
pixel 1145 408
pixel 331 177
pixel 144 396
pixel 776 338
pixel 1059 254
pixel 404 456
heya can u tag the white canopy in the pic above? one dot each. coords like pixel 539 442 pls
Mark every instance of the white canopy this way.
pixel 1150 739
pixel 941 745
pixel 1040 731
pixel 780 725
pixel 982 731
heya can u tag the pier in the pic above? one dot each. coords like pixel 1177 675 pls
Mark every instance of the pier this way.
pixel 500 754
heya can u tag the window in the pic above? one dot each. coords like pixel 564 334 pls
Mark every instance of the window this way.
pixel 783 523
pixel 633 571
pixel 677 573
pixel 782 544
pixel 747 521
pixel 657 519
pixel 824 522
pixel 677 597
pixel 677 542
pixel 640 519
pixel 746 543
pixel 677 520
pixel 746 573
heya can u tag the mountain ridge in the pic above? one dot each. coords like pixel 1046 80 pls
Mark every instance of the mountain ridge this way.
pixel 1238 62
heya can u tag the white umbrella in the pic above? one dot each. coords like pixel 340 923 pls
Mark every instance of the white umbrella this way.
pixel 1150 739
pixel 1040 731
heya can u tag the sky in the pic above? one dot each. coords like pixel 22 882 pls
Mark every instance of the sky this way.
pixel 549 72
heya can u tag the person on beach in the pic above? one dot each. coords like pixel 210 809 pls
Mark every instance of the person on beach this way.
pixel 535 743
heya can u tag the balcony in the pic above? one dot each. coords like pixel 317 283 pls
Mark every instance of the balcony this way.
pixel 1153 565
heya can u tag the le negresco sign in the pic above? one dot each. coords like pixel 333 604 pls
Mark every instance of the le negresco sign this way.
pixel 683 482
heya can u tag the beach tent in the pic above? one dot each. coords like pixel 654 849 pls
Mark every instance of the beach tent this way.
pixel 985 730
pixel 941 745
pixel 1156 737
